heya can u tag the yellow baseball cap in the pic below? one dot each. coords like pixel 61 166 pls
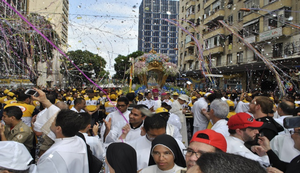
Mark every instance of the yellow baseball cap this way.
pixel 83 92
pixel 161 109
pixel 230 103
pixel 249 94
pixel 6 91
pixel 74 89
pixel 113 96
pixel 141 94
pixel 194 97
pixel 175 94
pixel 10 94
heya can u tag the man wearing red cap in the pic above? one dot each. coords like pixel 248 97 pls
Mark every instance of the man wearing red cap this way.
pixel 203 141
pixel 244 128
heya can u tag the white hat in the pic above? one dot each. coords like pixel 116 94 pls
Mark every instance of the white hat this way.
pixel 207 94
pixel 14 155
pixel 168 102
pixel 184 97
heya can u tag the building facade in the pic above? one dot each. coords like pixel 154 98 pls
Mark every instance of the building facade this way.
pixel 268 27
pixel 154 31
pixel 57 12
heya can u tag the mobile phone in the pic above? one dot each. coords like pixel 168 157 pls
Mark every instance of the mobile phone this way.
pixel 291 122
pixel 32 92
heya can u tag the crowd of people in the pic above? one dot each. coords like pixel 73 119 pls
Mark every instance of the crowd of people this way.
pixel 90 131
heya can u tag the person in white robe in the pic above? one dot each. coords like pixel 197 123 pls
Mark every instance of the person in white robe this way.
pixel 68 154
pixel 177 108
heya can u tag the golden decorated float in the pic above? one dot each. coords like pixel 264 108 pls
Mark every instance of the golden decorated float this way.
pixel 153 69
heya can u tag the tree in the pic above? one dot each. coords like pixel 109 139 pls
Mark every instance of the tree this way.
pixel 91 64
pixel 122 64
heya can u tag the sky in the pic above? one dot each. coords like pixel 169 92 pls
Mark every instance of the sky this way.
pixel 104 27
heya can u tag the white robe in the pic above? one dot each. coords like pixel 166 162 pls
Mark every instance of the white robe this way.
pixel 236 146
pixel 117 121
pixel 67 155
pixel 200 120
pixel 221 127
pixel 155 169
pixel 283 147
pixel 175 120
pixel 177 109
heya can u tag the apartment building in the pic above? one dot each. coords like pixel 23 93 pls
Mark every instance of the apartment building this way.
pixel 270 26
pixel 154 31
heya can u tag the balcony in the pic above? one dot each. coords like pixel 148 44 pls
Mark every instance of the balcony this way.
pixel 208 3
pixel 191 16
pixel 189 44
pixel 190 3
pixel 213 32
pixel 189 57
pixel 214 16
pixel 212 51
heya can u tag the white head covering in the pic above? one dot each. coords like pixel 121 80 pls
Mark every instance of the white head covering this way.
pixel 168 102
pixel 14 155
pixel 184 97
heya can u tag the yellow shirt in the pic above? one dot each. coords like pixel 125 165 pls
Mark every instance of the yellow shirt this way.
pixel 3 99
pixel 27 111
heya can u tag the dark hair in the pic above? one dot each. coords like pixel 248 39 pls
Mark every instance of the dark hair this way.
pixel 146 93
pixel 22 96
pixel 287 107
pixel 86 120
pixel 139 107
pixel 15 171
pixel 123 99
pixel 222 162
pixel 69 121
pixel 154 122
pixel 78 101
pixel 121 157
pixel 130 96
pixel 51 97
pixel 14 111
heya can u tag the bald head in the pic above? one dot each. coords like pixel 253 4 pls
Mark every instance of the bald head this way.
pixel 286 108
pixel 62 105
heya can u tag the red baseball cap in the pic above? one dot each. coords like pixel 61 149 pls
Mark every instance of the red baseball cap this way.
pixel 243 120
pixel 163 94
pixel 210 137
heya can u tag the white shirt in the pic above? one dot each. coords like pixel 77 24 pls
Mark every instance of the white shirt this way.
pixel 174 120
pixel 242 107
pixel 142 147
pixel 280 121
pixel 133 134
pixel 283 147
pixel 199 119
pixel 157 104
pixel 221 127
pixel 75 110
pixel 236 146
pixel 117 122
pixel 95 144
pixel 149 103
pixel 155 169
pixel 173 131
pixel 68 155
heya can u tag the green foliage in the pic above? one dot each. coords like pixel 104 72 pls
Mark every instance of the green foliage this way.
pixel 91 64
pixel 122 64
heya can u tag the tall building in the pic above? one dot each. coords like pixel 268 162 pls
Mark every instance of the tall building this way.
pixel 154 31
pixel 267 25
pixel 57 12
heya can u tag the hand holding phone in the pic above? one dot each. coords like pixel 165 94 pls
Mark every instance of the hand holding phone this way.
pixel 32 92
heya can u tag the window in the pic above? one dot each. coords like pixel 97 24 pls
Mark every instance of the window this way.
pixel 230 20
pixel 239 57
pixel 219 61
pixel 156 33
pixel 277 50
pixel 182 9
pixel 229 39
pixel 272 23
pixel 240 16
pixel 198 7
pixel 147 27
pixel 229 59
pixel 252 29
